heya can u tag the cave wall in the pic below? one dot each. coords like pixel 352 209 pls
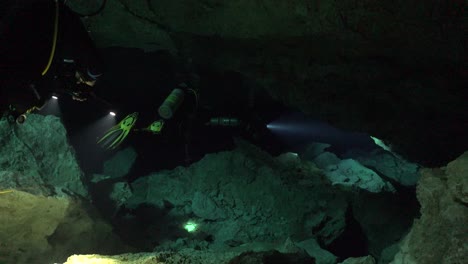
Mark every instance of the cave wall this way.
pixel 439 235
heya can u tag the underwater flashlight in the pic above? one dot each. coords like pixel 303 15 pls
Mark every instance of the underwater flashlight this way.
pixel 54 97
pixel 112 113
pixel 278 126
pixel 20 119
pixel 191 226
pixel 224 121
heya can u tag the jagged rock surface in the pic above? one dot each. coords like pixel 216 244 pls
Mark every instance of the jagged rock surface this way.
pixel 190 256
pixel 439 235
pixel 390 168
pixel 38 229
pixel 313 249
pixel 37 158
pixel 362 260
pixel 351 174
pixel 239 197
pixel 197 257
pixel 389 165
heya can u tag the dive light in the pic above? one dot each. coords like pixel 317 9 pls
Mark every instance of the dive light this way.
pixel 224 121
pixel 20 119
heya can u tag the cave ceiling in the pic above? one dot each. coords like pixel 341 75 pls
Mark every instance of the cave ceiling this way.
pixel 394 69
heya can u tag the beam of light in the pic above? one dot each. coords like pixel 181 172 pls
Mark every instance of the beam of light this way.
pixel 112 113
pixel 96 129
pixel 276 126
pixel 51 107
pixel 54 97
pixel 294 128
pixel 85 141
pixel 296 131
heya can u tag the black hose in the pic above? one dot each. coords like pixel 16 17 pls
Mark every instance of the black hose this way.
pixel 99 10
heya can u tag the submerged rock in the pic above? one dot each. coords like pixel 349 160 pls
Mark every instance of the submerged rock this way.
pixel 320 255
pixel 362 260
pixel 38 229
pixel 350 174
pixel 271 257
pixel 389 165
pixel 239 197
pixel 440 234
pixel 37 158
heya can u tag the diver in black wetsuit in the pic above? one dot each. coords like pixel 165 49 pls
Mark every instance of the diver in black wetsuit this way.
pixel 44 49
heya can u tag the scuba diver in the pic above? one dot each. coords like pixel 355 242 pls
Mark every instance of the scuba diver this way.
pixel 180 104
pixel 196 111
pixel 184 128
pixel 116 135
pixel 44 50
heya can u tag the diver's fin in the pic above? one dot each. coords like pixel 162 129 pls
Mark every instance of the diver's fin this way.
pixel 117 134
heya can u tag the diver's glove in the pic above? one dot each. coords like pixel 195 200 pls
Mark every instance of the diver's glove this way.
pixel 117 134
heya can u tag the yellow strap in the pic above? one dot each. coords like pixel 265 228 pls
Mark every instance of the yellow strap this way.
pixel 30 110
pixel 54 41
pixel 6 191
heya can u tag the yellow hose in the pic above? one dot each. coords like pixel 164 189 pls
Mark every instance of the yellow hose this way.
pixel 54 41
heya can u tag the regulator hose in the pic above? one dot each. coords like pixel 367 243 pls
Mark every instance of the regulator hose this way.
pixel 54 41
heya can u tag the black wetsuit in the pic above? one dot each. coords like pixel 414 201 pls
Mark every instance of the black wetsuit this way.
pixel 26 40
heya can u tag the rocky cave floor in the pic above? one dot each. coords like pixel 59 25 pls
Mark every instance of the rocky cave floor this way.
pixel 245 206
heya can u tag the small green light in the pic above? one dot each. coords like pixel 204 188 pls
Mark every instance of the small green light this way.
pixel 191 226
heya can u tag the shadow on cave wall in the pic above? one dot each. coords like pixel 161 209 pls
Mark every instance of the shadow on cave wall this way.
pixel 352 242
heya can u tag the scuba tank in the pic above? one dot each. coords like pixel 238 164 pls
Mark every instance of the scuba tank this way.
pixel 171 103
